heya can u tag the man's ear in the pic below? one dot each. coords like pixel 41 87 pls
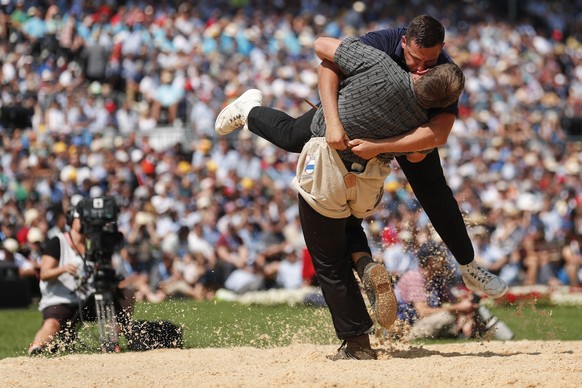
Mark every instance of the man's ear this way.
pixel 403 41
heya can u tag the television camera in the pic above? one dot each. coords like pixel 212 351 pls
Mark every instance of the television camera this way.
pixel 98 218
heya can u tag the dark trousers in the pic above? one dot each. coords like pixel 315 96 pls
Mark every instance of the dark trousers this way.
pixel 426 177
pixel 329 252
pixel 436 198
pixel 280 129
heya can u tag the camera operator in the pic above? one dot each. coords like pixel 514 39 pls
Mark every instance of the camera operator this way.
pixel 63 302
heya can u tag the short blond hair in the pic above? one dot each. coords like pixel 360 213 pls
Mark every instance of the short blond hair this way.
pixel 440 87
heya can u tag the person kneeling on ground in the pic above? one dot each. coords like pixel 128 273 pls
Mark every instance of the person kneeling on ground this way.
pixel 426 300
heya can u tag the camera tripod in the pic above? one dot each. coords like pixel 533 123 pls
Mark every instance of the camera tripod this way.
pixel 100 306
pixel 106 321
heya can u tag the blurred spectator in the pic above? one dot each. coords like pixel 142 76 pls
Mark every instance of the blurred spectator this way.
pixel 426 301
pixel 199 244
pixel 177 243
pixel 34 239
pixel 202 117
pixel 33 252
pixel 9 269
pixel 237 269
pixel 143 241
pixel 173 277
pixel 398 251
pixel 274 248
pixel 571 273
pixel 95 54
pixel 135 278
pixel 31 219
pixel 127 119
pixel 168 95
pixel 290 271
pixel 10 255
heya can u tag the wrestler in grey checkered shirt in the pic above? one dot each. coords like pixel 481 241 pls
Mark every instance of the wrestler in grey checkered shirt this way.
pixel 384 112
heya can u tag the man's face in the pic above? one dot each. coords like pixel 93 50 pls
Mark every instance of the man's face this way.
pixel 420 59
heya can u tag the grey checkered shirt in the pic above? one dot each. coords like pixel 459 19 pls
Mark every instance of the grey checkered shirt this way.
pixel 376 99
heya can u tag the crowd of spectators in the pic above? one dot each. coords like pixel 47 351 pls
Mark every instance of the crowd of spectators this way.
pixel 86 84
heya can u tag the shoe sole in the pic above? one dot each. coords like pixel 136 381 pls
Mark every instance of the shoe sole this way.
pixel 222 132
pixel 386 306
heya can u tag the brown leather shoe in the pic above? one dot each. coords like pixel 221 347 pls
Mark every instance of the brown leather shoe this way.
pixel 355 348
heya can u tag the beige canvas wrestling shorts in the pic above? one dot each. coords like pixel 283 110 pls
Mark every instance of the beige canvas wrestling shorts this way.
pixel 325 183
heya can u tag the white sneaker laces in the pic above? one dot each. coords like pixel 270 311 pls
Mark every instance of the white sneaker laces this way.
pixel 235 119
pixel 480 274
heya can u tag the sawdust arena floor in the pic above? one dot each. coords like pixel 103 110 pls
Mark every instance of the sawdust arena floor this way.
pixel 463 364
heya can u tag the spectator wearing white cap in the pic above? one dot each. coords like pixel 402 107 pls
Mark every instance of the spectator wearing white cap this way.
pixel 31 219
pixel 27 269
pixel 34 240
pixel 10 254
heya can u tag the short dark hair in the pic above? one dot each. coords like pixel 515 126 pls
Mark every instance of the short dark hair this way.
pixel 440 87
pixel 425 31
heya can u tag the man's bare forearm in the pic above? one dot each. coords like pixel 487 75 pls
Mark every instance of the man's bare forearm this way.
pixel 328 86
pixel 433 135
pixel 329 78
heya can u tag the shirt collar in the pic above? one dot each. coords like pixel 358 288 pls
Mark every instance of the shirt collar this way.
pixel 398 57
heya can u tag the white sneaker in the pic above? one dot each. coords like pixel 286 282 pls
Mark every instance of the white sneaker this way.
pixel 478 279
pixel 235 114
